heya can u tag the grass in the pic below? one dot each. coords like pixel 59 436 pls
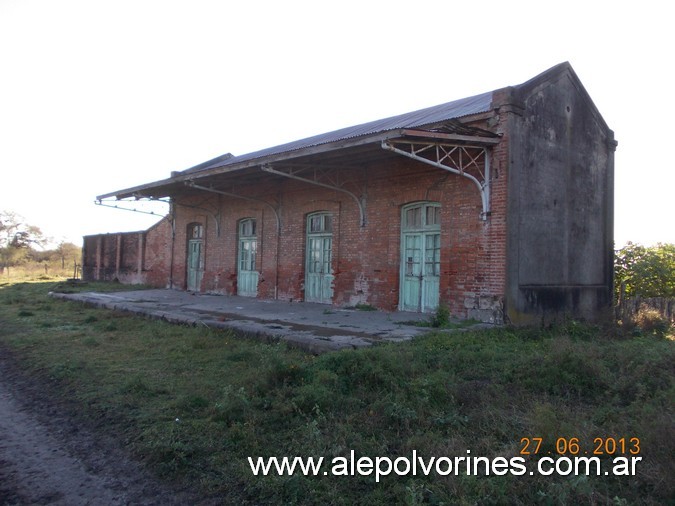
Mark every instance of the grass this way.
pixel 441 319
pixel 32 271
pixel 195 403
pixel 362 307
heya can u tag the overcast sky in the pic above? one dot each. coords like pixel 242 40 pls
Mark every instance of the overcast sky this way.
pixel 97 96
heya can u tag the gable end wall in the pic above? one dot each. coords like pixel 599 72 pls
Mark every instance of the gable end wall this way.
pixel 560 248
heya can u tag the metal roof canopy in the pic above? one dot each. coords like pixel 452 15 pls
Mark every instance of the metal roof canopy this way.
pixel 317 168
pixel 372 133
pixel 341 155
pixel 424 117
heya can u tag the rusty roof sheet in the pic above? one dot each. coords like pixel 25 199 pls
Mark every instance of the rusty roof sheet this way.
pixel 429 116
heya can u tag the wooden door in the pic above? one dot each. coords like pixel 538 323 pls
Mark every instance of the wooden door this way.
pixel 318 268
pixel 195 257
pixel 420 258
pixel 247 274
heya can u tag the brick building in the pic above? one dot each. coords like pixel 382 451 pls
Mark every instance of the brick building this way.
pixel 498 206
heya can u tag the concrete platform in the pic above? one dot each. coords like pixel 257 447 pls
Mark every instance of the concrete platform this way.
pixel 315 327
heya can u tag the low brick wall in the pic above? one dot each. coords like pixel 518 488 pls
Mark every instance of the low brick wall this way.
pixel 140 257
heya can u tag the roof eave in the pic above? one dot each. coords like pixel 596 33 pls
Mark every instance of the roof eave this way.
pixel 181 177
pixel 164 186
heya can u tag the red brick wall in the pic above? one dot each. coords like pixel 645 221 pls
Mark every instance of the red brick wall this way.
pixel 365 260
pixel 156 253
pixel 109 257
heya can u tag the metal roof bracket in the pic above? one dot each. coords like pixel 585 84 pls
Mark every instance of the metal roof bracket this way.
pixel 361 202
pixel 192 184
pixel 460 157
pixel 104 203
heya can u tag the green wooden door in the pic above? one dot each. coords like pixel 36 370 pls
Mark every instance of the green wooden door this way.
pixel 420 258
pixel 195 256
pixel 318 269
pixel 247 275
pixel 195 265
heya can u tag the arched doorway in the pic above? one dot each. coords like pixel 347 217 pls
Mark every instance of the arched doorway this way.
pixel 195 256
pixel 247 275
pixel 318 267
pixel 420 257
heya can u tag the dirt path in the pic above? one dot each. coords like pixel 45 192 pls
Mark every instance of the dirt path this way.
pixel 46 458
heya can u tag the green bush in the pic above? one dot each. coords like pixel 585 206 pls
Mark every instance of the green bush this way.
pixel 441 318
pixel 650 321
pixel 645 271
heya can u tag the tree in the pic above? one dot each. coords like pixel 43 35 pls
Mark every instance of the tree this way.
pixel 16 233
pixel 67 251
pixel 17 239
pixel 645 271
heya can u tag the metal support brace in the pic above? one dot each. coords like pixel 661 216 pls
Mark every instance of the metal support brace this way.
pixel 192 184
pixel 359 202
pixel 459 156
pixel 103 203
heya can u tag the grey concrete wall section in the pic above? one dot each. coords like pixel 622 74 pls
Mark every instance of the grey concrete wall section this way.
pixel 562 188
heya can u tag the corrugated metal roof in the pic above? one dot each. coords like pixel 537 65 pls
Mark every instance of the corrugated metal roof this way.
pixel 429 116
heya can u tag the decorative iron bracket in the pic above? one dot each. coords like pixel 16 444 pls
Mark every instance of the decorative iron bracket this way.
pixel 454 158
pixel 192 184
pixel 293 175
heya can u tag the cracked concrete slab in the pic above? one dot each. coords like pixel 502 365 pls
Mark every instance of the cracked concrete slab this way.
pixel 315 327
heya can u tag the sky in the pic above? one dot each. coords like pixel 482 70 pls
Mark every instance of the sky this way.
pixel 101 95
